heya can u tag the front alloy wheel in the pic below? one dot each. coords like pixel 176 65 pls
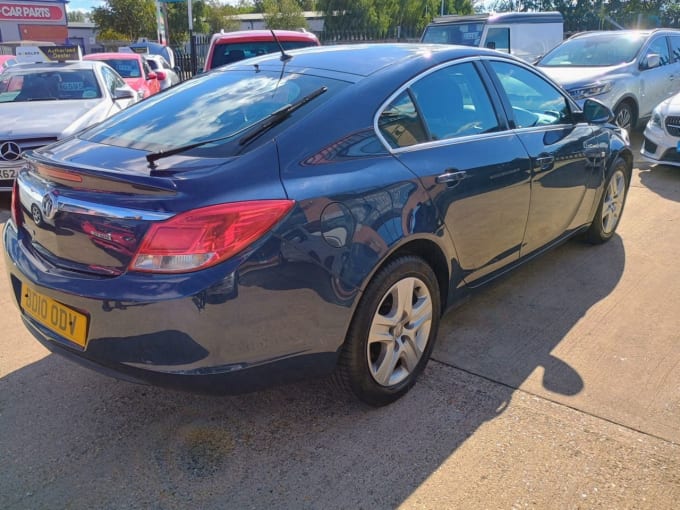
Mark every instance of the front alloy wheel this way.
pixel 611 204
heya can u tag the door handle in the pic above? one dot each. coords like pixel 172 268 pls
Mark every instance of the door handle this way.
pixel 451 177
pixel 545 162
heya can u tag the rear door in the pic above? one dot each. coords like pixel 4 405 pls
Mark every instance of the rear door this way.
pixel 476 171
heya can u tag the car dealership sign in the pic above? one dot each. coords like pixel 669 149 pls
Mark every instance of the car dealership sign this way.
pixel 28 11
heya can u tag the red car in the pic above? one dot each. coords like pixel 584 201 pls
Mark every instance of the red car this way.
pixel 134 70
pixel 229 47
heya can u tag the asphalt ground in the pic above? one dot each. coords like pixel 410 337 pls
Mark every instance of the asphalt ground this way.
pixel 556 387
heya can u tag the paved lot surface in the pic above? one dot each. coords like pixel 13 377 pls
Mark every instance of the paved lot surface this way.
pixel 557 387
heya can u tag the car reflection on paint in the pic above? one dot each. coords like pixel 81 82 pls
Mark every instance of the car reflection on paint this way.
pixel 307 213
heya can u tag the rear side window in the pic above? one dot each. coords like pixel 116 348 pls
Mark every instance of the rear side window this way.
pixel 448 103
pixel 226 53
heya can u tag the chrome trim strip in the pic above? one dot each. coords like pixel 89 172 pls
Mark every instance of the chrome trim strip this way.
pixel 33 186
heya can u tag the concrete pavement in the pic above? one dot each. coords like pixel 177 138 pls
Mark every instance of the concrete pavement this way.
pixel 557 387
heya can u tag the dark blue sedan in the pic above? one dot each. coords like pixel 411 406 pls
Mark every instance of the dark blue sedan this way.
pixel 304 214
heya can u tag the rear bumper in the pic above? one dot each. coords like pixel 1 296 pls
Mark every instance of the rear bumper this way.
pixel 237 327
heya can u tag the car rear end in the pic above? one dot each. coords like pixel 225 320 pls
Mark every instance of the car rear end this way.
pixel 167 271
pixel 230 47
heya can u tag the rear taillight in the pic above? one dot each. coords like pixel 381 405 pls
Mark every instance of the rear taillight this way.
pixel 203 237
pixel 16 204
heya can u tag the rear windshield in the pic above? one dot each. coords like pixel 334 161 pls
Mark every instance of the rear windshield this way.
pixel 40 85
pixel 214 105
pixel 226 53
pixel 602 50
pixel 467 34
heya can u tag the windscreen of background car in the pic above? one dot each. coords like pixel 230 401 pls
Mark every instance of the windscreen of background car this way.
pixel 467 34
pixel 214 105
pixel 233 52
pixel 595 51
pixel 127 68
pixel 31 85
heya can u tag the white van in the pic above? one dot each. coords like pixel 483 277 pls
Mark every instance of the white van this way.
pixel 527 35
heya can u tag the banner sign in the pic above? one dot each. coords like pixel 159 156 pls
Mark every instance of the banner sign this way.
pixel 32 54
pixel 27 11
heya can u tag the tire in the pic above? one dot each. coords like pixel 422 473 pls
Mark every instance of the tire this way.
pixel 611 205
pixel 624 116
pixel 392 333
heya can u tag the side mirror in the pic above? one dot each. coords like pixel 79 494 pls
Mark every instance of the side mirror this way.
pixel 491 45
pixel 160 75
pixel 651 61
pixel 596 112
pixel 152 76
pixel 123 93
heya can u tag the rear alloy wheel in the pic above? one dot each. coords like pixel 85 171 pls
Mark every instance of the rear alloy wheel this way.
pixel 624 116
pixel 392 333
pixel 611 205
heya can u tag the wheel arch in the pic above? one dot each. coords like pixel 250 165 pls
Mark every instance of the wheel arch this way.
pixel 628 98
pixel 432 253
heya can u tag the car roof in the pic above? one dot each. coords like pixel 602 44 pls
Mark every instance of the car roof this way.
pixel 50 66
pixel 628 33
pixel 364 59
pixel 263 35
pixel 113 54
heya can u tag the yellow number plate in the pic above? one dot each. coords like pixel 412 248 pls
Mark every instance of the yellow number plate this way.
pixel 59 318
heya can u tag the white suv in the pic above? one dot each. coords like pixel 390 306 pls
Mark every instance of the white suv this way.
pixel 631 71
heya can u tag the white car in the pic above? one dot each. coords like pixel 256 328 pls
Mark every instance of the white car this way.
pixel 158 63
pixel 662 135
pixel 43 102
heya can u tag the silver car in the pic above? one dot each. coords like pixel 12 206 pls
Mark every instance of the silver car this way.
pixel 158 63
pixel 42 103
pixel 631 71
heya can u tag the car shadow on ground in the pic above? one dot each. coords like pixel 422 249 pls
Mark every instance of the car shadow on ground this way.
pixel 663 180
pixel 79 439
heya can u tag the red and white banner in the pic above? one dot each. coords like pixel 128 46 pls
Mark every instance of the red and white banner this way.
pixel 27 11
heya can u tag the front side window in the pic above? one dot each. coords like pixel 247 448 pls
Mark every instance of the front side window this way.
pixel 223 105
pixel 658 47
pixel 498 39
pixel 534 101
pixel 112 80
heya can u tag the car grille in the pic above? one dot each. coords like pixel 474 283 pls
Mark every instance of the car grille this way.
pixel 10 150
pixel 673 126
pixel 649 146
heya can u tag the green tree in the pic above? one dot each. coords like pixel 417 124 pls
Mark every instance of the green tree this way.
pixel 78 16
pixel 283 14
pixel 131 18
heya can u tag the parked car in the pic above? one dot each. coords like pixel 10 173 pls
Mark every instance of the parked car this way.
pixel 159 64
pixel 291 218
pixel 628 70
pixel 661 143
pixel 7 61
pixel 527 35
pixel 134 70
pixel 228 47
pixel 41 103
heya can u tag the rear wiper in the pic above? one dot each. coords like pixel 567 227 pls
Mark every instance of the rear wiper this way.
pixel 279 115
pixel 271 120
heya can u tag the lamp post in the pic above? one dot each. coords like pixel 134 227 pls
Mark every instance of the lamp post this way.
pixel 192 41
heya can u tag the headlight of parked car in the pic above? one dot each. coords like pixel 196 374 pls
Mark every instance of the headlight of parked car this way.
pixel 657 118
pixel 596 89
